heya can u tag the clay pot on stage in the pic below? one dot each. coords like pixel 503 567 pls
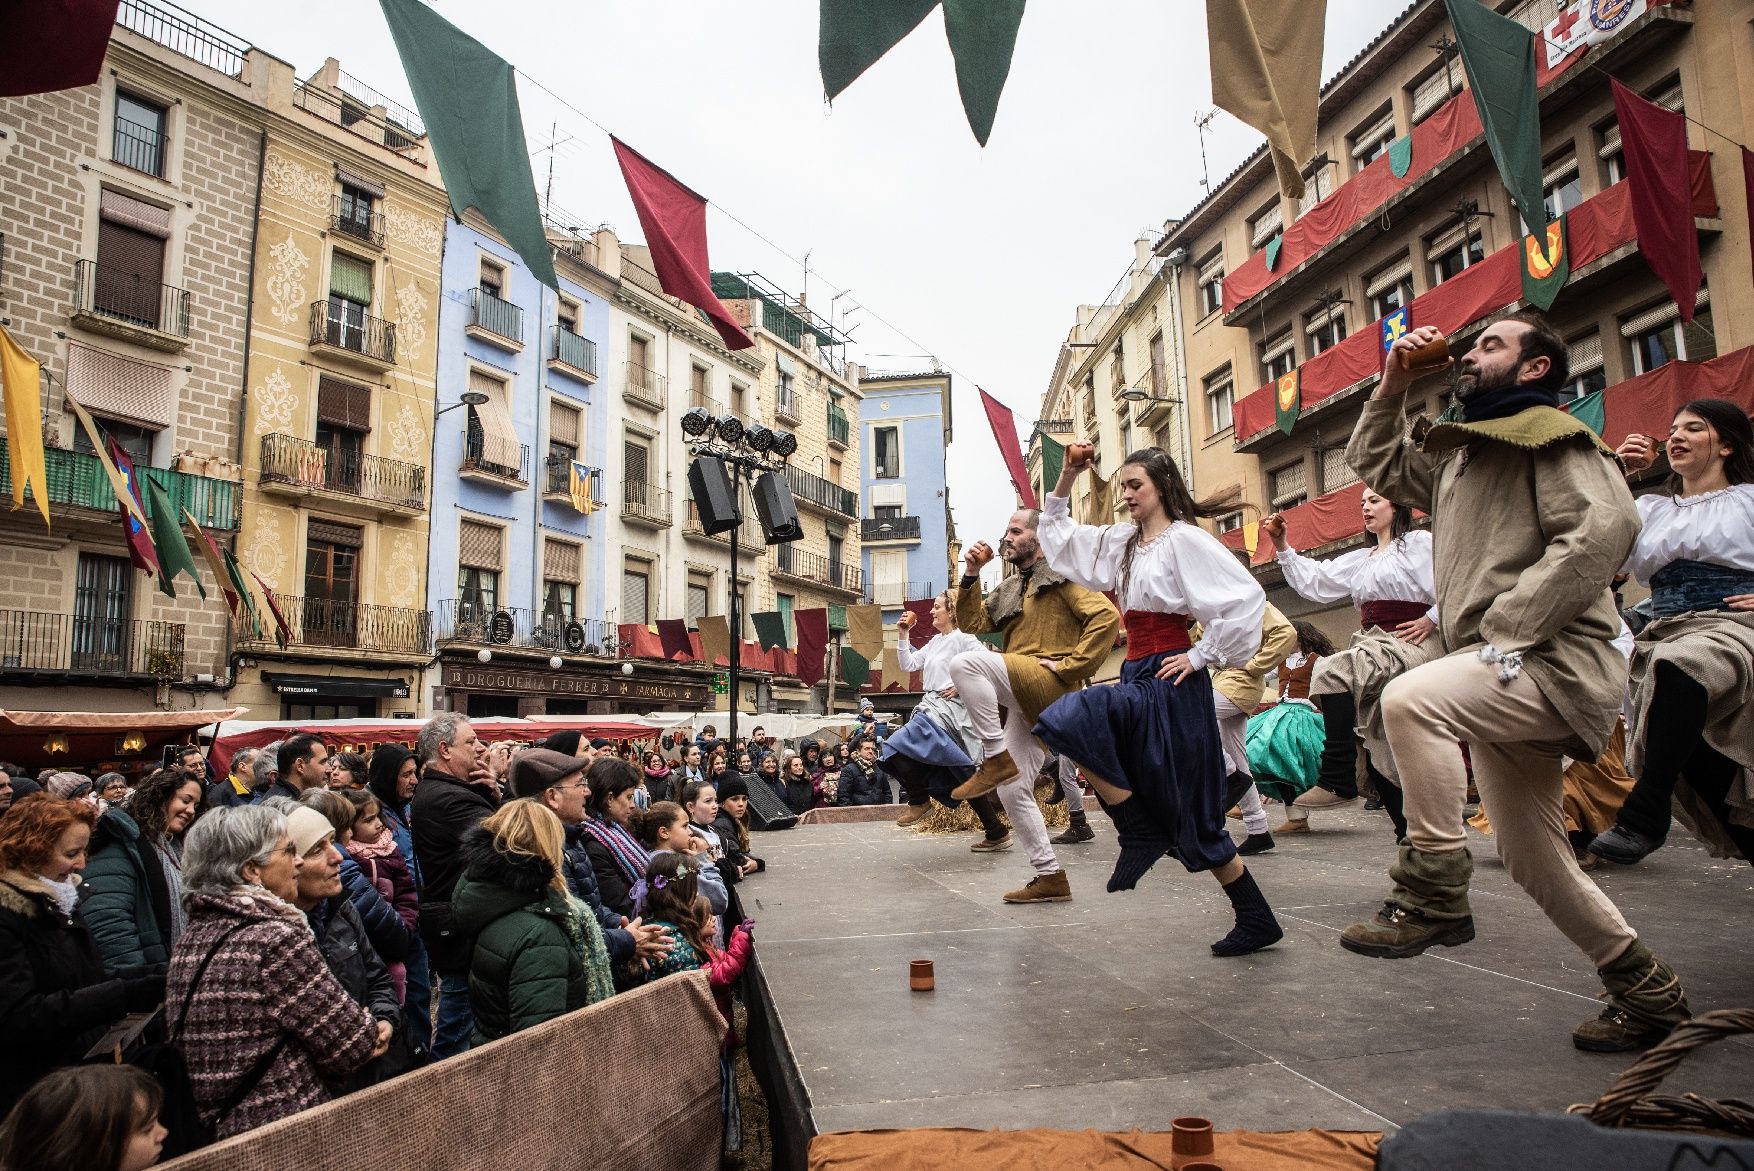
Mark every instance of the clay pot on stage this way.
pixel 1190 1140
pixel 920 977
pixel 1201 1167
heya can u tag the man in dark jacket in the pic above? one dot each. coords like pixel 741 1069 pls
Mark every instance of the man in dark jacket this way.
pixel 302 762
pixel 445 807
pixel 558 781
pixel 860 782
pixel 239 787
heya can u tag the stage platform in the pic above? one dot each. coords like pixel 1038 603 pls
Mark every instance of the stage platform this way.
pixel 1110 1012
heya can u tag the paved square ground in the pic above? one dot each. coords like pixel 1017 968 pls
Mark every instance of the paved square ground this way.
pixel 1110 1012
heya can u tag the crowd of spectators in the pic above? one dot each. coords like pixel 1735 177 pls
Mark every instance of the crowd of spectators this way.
pixel 316 921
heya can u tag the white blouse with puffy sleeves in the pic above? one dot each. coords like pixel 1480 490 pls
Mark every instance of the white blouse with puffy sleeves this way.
pixel 1714 527
pixel 1399 572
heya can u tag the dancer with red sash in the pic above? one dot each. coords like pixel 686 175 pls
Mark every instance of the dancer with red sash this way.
pixel 1149 745
pixel 1390 582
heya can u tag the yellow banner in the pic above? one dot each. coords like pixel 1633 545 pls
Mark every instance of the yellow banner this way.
pixel 118 482
pixel 23 375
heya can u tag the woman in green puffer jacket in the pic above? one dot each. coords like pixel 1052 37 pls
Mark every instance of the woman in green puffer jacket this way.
pixel 132 896
pixel 538 953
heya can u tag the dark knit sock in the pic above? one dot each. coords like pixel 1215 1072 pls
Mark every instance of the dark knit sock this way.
pixel 1141 839
pixel 1255 926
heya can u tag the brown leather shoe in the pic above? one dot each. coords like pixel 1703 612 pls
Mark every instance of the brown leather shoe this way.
pixel 992 845
pixel 993 772
pixel 915 813
pixel 1044 888
pixel 1294 825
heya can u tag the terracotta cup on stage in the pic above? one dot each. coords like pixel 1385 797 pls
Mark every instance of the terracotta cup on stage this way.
pixel 1201 1166
pixel 1190 1139
pixel 919 976
pixel 1430 357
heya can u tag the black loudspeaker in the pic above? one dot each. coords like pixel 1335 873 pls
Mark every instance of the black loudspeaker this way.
pixel 714 497
pixel 766 810
pixel 776 508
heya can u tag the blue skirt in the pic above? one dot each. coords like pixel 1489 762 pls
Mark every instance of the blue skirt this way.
pixel 1159 741
pixel 924 752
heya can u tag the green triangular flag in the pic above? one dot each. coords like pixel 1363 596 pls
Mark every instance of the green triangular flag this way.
pixel 1401 156
pixel 854 667
pixel 174 555
pixel 1546 265
pixel 837 617
pixel 1288 400
pixel 1053 461
pixel 1273 247
pixel 770 628
pixel 1590 410
pixel 468 98
pixel 1499 55
pixel 983 36
pixel 236 574
pixel 853 34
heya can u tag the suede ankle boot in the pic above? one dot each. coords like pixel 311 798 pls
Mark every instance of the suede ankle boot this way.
pixel 1078 831
pixel 1645 1003
pixel 1141 839
pixel 1255 925
pixel 1428 906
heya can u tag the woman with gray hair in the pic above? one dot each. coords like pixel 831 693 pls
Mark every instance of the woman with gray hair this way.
pixel 260 1019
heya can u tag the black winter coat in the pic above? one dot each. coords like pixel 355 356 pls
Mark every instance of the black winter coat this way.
pixel 611 885
pixel 581 879
pixel 443 810
pixel 55 998
pixel 861 785
pixel 352 960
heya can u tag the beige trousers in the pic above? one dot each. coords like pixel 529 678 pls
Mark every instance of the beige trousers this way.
pixel 1513 736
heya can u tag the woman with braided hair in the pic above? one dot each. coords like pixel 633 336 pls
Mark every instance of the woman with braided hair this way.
pixel 1150 744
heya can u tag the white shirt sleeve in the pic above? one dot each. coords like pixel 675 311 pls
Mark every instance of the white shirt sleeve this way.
pixel 1221 595
pixel 907 657
pixel 1321 581
pixel 1087 554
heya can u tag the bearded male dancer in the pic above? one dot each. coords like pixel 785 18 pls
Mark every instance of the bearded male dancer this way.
pixel 1057 633
pixel 1531 519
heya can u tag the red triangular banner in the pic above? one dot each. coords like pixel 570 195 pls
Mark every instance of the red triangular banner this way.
pixel 1004 425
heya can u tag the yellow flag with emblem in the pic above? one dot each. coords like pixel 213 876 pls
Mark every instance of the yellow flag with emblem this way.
pixel 23 375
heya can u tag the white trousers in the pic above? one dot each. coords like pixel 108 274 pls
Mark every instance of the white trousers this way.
pixel 984 686
pixel 1232 733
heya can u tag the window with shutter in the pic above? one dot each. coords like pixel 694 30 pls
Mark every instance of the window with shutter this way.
pixel 1219 401
pixel 1436 88
pixel 560 560
pixel 344 404
pixel 1288 486
pixel 635 457
pixel 699 590
pixel 1336 472
pixel 563 424
pixel 1278 356
pixel 1265 225
pixel 635 587
pixel 480 546
pixel 130 273
pixel 350 279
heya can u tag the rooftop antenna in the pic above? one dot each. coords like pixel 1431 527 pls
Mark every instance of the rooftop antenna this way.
pixel 1201 122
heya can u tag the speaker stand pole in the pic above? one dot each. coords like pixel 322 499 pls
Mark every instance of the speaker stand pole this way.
pixel 731 675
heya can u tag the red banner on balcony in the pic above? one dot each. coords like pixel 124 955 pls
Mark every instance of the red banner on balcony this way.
pixel 141 554
pixel 282 631
pixel 922 631
pixel 1597 227
pixel 673 639
pixel 812 644
pixel 1653 141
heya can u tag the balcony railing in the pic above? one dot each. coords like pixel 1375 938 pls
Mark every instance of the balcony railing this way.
pixel 646 502
pixel 183 32
pixel 138 147
pixel 473 622
pixel 351 219
pixel 475 459
pixel 87 644
pixel 894 593
pixel 820 570
pixel 286 460
pixel 646 387
pixel 363 334
pixel 814 490
pixel 129 297
pixel 78 480
pixel 573 350
pixel 331 622
pixel 840 428
pixel 558 481
pixel 500 318
pixel 785 405
pixel 1054 426
pixel 749 534
pixel 889 528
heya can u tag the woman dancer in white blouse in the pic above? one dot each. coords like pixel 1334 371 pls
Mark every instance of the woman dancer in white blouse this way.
pixel 937 749
pixel 1149 745
pixel 1390 582
pixel 1691 737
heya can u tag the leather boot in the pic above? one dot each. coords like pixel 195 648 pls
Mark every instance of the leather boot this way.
pixel 1428 906
pixel 1044 888
pixel 1645 1003
pixel 994 771
pixel 914 814
pixel 1078 831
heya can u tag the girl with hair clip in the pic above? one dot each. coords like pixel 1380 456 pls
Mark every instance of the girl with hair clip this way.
pixel 1690 739
pixel 1149 745
pixel 664 828
pixel 1285 742
pixel 1391 583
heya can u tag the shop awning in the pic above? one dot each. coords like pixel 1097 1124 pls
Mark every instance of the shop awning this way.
pixel 348 685
pixel 80 740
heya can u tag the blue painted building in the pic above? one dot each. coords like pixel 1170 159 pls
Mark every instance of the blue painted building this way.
pixel 905 527
pixel 517 563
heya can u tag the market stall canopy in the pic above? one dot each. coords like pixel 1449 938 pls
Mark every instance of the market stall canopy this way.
pixel 783 725
pixel 80 740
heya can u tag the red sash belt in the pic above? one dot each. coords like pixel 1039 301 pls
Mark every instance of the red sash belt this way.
pixel 1150 633
pixel 1390 614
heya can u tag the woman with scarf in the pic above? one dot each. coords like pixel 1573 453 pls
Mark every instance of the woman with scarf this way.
pixel 132 893
pixel 659 784
pixel 538 952
pixel 1149 745
pixel 617 858
pixel 1691 737
pixel 1390 581
pixel 391 776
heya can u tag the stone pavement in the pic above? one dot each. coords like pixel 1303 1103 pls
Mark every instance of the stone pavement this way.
pixel 1110 1012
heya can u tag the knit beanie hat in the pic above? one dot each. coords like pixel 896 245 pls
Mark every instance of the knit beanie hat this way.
pixel 306 827
pixel 732 785
pixel 68 785
pixel 600 744
pixel 565 741
pixel 535 769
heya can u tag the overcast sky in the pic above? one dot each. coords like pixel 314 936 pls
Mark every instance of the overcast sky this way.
pixel 978 257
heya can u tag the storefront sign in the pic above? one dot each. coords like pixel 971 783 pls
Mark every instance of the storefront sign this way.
pixel 521 681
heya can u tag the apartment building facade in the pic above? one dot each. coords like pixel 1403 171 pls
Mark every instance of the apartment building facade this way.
pixel 905 526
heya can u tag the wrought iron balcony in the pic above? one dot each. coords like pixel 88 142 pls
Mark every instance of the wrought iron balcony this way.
pixel 184 33
pixel 646 504
pixel 513 626
pixel 343 625
pixel 572 350
pixel 302 466
pixel 840 428
pixel 478 466
pixel 894 593
pixel 750 538
pixel 817 569
pixel 495 321
pixel 339 326
pixel 78 480
pixel 1054 426
pixel 646 388
pixel 889 528
pixel 558 482
pixel 37 643
pixel 821 494
pixel 107 296
pixel 351 219
pixel 785 405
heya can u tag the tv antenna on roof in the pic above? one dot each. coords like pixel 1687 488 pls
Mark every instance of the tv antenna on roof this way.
pixel 1201 122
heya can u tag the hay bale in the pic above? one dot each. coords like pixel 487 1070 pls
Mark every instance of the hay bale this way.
pixel 945 820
